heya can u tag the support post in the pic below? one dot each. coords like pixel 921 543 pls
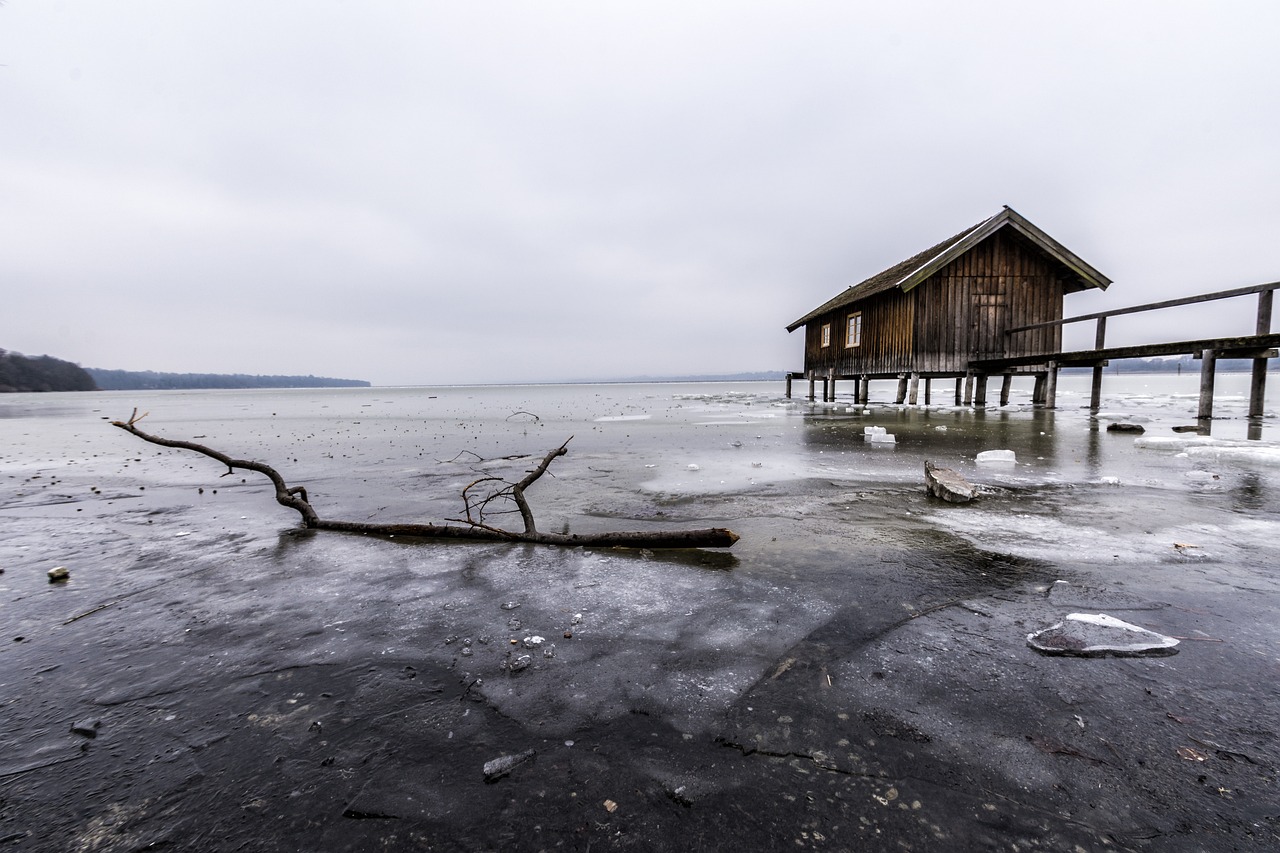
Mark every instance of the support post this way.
pixel 833 386
pixel 959 389
pixel 1037 393
pixel 1208 369
pixel 864 392
pixel 1258 385
pixel 1005 384
pixel 913 396
pixel 928 397
pixel 811 383
pixel 788 386
pixel 968 389
pixel 1099 342
pixel 1051 386
pixel 826 384
pixel 902 388
pixel 980 392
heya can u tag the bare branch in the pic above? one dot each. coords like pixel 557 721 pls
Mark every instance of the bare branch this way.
pixel 474 527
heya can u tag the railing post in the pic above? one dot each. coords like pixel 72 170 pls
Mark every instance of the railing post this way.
pixel 1258 387
pixel 1099 342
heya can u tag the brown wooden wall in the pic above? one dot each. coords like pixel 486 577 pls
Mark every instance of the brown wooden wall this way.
pixel 886 337
pixel 964 308
pixel 958 314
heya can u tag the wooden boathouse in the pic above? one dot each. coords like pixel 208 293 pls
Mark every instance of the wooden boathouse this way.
pixel 937 313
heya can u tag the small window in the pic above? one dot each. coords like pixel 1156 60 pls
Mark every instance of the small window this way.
pixel 853 337
pixel 826 334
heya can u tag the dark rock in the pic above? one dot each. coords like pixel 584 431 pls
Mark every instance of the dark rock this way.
pixel 86 728
pixel 1125 427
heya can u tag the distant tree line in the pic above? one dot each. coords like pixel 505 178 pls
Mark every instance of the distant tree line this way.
pixel 41 373
pixel 149 380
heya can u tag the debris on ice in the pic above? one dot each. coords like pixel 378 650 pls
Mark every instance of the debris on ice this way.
pixel 996 457
pixel 947 484
pixel 1100 635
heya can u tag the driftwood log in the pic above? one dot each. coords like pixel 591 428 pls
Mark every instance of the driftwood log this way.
pixel 476 501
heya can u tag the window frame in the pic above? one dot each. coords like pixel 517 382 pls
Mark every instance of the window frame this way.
pixel 853 330
pixel 824 335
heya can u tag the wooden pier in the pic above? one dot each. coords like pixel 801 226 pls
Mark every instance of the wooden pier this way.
pixel 971 388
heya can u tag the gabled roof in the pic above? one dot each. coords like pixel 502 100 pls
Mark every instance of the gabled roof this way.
pixel 917 268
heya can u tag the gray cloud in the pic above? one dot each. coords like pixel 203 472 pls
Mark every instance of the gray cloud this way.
pixel 423 193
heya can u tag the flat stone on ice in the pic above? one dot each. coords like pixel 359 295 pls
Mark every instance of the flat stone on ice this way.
pixel 947 484
pixel 1093 635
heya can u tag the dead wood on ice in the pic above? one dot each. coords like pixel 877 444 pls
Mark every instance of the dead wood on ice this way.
pixel 474 526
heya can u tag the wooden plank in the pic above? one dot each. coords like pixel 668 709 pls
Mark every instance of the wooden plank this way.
pixel 1248 343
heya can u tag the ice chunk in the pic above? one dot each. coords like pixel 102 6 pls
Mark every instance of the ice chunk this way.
pixel 873 430
pixel 882 438
pixel 1098 635
pixel 996 457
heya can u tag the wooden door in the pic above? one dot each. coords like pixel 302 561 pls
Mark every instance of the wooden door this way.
pixel 988 320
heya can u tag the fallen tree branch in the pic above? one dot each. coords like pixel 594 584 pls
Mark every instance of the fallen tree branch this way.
pixel 473 527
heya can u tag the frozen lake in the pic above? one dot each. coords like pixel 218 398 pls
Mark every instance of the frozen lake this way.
pixel 196 615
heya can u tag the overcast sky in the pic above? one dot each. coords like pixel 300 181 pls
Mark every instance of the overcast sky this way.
pixel 420 193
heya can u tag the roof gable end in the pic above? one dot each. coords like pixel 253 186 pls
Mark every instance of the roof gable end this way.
pixel 918 268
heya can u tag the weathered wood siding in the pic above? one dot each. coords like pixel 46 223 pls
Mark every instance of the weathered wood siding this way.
pixel 958 314
pixel 963 310
pixel 886 338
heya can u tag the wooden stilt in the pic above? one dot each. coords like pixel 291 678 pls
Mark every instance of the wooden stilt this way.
pixel 1051 386
pixel 968 389
pixel 928 397
pixel 826 385
pixel 980 391
pixel 1099 342
pixel 959 387
pixel 788 386
pixel 864 392
pixel 1208 369
pixel 902 388
pixel 1258 388
pixel 811 384
pixel 1095 393
pixel 913 395
pixel 1005 383
pixel 1037 393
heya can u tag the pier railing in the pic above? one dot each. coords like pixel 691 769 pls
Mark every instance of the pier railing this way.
pixel 1258 346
